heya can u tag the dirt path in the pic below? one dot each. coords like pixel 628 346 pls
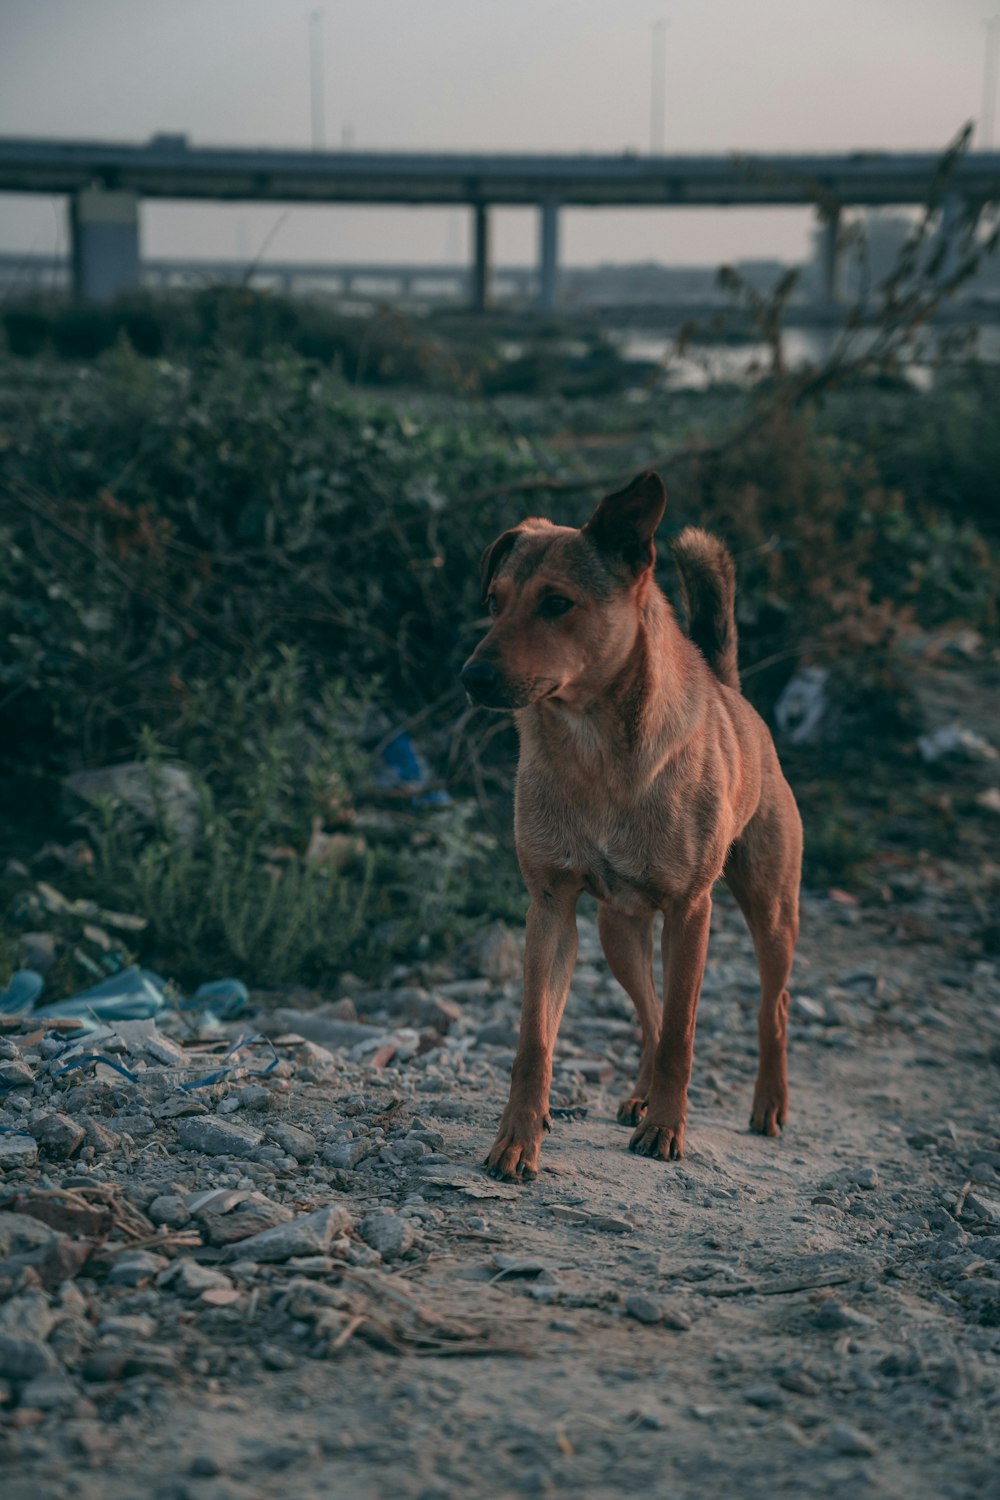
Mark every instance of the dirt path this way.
pixel 819 1314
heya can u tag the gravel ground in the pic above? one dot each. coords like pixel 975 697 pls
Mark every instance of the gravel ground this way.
pixel 297 1280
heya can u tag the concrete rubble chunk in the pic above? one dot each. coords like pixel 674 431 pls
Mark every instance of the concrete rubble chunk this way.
pixel 386 1233
pixel 23 1357
pixel 299 1144
pixel 17 1151
pixel 190 1279
pixel 168 792
pixel 27 1315
pixel 20 1234
pixel 328 1031
pixel 58 1135
pixel 136 1267
pixel 16 1074
pixel 309 1234
pixel 217 1137
pixel 251 1214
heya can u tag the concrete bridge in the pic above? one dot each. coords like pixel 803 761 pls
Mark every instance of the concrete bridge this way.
pixel 106 183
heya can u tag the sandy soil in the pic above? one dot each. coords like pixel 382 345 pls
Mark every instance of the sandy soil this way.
pixel 817 1314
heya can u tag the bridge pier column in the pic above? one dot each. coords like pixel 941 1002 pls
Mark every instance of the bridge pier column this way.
pixel 548 253
pixel 105 237
pixel 481 257
pixel 831 258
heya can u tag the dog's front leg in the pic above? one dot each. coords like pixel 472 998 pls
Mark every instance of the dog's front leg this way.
pixel 549 956
pixel 685 944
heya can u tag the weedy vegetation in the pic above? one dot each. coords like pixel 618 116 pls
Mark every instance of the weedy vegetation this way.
pixel 241 535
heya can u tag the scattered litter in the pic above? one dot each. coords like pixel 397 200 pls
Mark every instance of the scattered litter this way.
pixel 134 994
pixel 955 742
pixel 803 705
pixel 403 768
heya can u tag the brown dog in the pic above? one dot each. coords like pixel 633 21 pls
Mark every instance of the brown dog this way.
pixel 644 775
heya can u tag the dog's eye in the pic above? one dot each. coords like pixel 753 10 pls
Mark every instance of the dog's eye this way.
pixel 554 605
pixel 491 604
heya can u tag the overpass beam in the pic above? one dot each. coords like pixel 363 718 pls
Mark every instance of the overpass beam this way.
pixel 831 258
pixel 480 257
pixel 105 237
pixel 548 253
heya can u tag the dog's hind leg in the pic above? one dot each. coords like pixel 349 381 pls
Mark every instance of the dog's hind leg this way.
pixel 763 875
pixel 628 947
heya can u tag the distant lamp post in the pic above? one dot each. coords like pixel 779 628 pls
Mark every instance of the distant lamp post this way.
pixel 657 87
pixel 316 79
pixel 989 82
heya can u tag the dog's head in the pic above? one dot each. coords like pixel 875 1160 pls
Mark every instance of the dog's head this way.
pixel 565 602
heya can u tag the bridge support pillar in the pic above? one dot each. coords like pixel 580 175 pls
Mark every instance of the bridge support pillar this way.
pixel 548 253
pixel 105 235
pixel 831 258
pixel 481 257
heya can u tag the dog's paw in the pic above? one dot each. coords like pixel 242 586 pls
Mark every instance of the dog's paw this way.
pixel 657 1137
pixel 631 1110
pixel 770 1110
pixel 515 1153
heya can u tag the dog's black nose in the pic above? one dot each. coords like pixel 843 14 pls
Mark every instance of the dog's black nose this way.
pixel 481 680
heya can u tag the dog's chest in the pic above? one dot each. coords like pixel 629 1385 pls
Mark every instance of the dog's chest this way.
pixel 615 858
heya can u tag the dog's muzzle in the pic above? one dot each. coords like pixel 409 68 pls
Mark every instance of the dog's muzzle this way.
pixel 484 684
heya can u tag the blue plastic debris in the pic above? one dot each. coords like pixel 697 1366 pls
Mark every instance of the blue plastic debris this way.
pixel 226 997
pixel 134 994
pixel 20 995
pixel 98 1057
pixel 404 767
pixel 220 1073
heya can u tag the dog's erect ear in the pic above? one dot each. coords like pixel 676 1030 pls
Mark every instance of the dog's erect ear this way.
pixel 493 557
pixel 622 526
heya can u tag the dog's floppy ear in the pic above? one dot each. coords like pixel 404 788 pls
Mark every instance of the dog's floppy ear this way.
pixel 622 526
pixel 493 557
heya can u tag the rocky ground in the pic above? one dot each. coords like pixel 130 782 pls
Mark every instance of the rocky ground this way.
pixel 278 1269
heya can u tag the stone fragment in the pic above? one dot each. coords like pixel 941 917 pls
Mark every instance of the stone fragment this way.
pixel 983 1207
pixel 765 1395
pixel 20 1234
pixel 386 1233
pixel 866 1178
pixel 347 1154
pixel 190 1279
pixel 17 1151
pixel 643 1308
pixel 309 1234
pixel 170 1210
pixel 214 1137
pixel 327 1030
pixel 98 1136
pixel 127 1326
pixel 294 1141
pixel 165 792
pixel 27 1315
pixel 834 1316
pixel 251 1215
pixel 849 1440
pixel 16 1074
pixel 58 1135
pixel 136 1267
pixel 51 1391
pixel 23 1357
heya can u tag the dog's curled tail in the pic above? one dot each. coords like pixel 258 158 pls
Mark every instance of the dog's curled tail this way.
pixel 708 586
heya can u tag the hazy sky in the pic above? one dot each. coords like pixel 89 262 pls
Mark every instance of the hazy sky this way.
pixel 561 75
